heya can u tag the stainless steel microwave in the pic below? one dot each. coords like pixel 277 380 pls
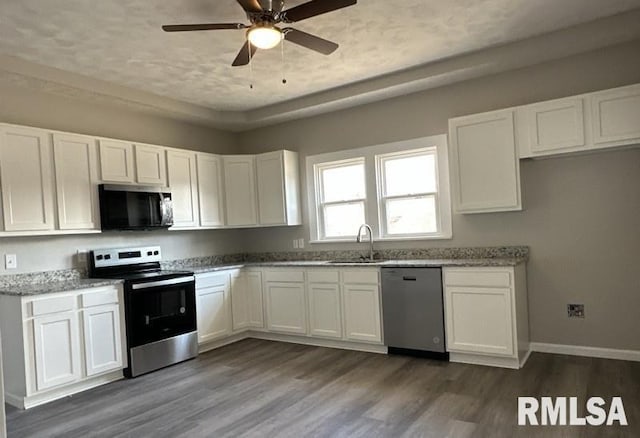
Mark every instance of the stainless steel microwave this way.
pixel 126 207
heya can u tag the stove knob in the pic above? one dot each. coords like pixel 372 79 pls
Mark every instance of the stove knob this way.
pixel 149 253
pixel 99 257
pixel 107 257
pixel 156 252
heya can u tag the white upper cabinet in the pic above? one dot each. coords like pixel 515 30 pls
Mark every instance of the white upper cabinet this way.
pixel 183 183
pixel 240 190
pixel 116 161
pixel 76 171
pixel 616 116
pixel 557 125
pixel 210 190
pixel 26 179
pixel 484 163
pixel 151 166
pixel 278 188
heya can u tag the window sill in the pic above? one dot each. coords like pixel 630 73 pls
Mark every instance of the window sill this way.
pixel 386 239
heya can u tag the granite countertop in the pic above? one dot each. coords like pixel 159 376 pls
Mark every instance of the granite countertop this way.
pixel 56 286
pixel 415 263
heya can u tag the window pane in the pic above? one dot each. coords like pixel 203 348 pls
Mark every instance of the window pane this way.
pixel 342 220
pixel 412 216
pixel 407 175
pixel 343 183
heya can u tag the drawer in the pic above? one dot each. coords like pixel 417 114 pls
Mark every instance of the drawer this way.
pixel 361 276
pixel 109 296
pixel 53 305
pixel 285 276
pixel 323 276
pixel 215 279
pixel 477 277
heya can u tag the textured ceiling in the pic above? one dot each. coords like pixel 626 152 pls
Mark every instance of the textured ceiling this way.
pixel 121 41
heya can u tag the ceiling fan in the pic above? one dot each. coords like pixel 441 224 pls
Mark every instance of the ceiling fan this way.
pixel 263 33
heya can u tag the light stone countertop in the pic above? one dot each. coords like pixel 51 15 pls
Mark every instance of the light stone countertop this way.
pixel 419 263
pixel 55 286
pixel 63 281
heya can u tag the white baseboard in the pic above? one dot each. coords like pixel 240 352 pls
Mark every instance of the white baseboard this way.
pixel 21 402
pixel 577 350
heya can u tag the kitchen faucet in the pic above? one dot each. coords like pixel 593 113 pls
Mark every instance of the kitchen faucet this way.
pixel 359 239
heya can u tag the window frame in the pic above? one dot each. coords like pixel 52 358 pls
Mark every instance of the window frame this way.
pixel 321 204
pixel 373 204
pixel 383 197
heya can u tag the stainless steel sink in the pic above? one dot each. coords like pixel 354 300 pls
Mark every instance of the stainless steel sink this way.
pixel 354 261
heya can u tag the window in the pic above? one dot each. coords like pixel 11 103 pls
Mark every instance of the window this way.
pixel 342 197
pixel 400 189
pixel 408 191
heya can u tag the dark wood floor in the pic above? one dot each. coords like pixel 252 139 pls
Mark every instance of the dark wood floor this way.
pixel 262 389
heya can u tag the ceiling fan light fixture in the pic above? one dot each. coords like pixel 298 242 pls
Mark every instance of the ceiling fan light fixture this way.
pixel 264 37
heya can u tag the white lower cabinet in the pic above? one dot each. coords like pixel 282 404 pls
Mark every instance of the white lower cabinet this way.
pixel 56 342
pixel 102 338
pixel 325 315
pixel 486 315
pixel 246 300
pixel 213 306
pixel 286 307
pixel 362 312
pixel 62 343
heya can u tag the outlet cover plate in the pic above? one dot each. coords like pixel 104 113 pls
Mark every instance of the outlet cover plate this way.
pixel 10 261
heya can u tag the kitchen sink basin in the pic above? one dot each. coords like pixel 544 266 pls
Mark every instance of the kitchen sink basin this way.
pixel 355 261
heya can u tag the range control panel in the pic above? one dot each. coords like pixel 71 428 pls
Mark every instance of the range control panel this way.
pixel 125 256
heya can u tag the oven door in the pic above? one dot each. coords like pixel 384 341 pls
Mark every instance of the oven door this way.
pixel 160 309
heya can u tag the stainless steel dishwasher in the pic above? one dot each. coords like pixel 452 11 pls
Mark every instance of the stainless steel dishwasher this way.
pixel 413 313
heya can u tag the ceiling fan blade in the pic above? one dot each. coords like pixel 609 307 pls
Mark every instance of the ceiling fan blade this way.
pixel 313 8
pixel 207 26
pixel 309 41
pixel 250 5
pixel 243 55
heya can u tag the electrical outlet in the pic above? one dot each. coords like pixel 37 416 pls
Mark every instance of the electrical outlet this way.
pixel 301 243
pixel 10 261
pixel 575 310
pixel 295 243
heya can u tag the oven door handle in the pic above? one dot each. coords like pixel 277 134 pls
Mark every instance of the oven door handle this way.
pixel 160 283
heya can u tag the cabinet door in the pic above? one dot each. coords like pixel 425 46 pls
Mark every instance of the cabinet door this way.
pixel 76 170
pixel 240 301
pixel 479 320
pixel 151 166
pixel 102 341
pixel 213 310
pixel 255 311
pixel 271 189
pixel 57 350
pixel 616 115
pixel 555 125
pixel 210 192
pixel 361 304
pixel 286 307
pixel 116 161
pixel 484 163
pixel 27 182
pixel 183 183
pixel 240 190
pixel 325 318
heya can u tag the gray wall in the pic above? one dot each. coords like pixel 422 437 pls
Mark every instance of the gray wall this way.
pixel 581 212
pixel 45 110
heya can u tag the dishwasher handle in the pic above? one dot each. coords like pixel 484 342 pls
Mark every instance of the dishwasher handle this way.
pixel 408 278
